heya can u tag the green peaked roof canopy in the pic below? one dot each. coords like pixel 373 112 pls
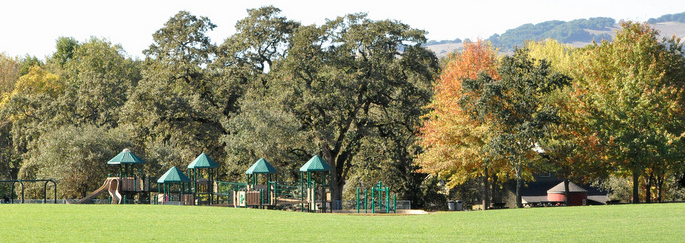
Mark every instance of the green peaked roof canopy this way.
pixel 261 167
pixel 203 161
pixel 316 163
pixel 125 157
pixel 173 175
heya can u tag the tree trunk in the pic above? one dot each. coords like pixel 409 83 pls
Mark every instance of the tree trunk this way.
pixel 336 182
pixel 337 185
pixel 648 187
pixel 566 192
pixel 519 202
pixel 486 189
pixel 336 190
pixel 636 186
pixel 494 194
pixel 659 187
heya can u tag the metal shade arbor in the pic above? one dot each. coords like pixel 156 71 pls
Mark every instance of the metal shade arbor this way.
pixel 195 169
pixel 319 166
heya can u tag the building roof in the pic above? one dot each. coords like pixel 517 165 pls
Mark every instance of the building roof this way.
pixel 533 199
pixel 125 157
pixel 203 161
pixel 572 187
pixel 597 199
pixel 316 163
pixel 261 167
pixel 173 175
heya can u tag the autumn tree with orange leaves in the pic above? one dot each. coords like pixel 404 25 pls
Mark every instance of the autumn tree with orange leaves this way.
pixel 452 140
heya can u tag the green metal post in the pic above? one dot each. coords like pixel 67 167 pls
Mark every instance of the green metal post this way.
pixel 366 196
pixel 394 203
pixel 387 197
pixel 380 199
pixel 357 199
pixel 373 207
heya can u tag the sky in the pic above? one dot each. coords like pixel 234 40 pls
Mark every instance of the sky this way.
pixel 32 27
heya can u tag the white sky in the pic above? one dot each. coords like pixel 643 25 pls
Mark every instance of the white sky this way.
pixel 31 27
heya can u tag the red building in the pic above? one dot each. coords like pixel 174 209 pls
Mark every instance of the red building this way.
pixel 577 196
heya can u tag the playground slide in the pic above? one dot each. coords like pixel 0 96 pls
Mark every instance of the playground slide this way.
pixel 97 192
pixel 114 191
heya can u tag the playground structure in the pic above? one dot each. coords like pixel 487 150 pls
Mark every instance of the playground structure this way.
pixel 377 200
pixel 254 193
pixel 174 185
pixel 318 172
pixel 12 183
pixel 261 189
pixel 130 185
pixel 203 172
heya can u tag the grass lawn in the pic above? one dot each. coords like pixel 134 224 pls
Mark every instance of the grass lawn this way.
pixel 148 223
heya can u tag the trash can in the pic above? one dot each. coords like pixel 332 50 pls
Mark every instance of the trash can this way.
pixel 451 205
pixel 460 205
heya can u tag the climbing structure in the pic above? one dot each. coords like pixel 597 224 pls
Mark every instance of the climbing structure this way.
pixel 174 188
pixel 132 181
pixel 130 185
pixel 379 200
pixel 203 174
pixel 316 184
pixel 259 193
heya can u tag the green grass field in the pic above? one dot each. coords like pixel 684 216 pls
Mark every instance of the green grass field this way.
pixel 148 223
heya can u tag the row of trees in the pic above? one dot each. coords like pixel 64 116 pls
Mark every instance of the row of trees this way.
pixel 609 109
pixel 351 90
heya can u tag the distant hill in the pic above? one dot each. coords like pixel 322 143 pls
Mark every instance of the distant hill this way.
pixel 580 32
pixel 680 18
